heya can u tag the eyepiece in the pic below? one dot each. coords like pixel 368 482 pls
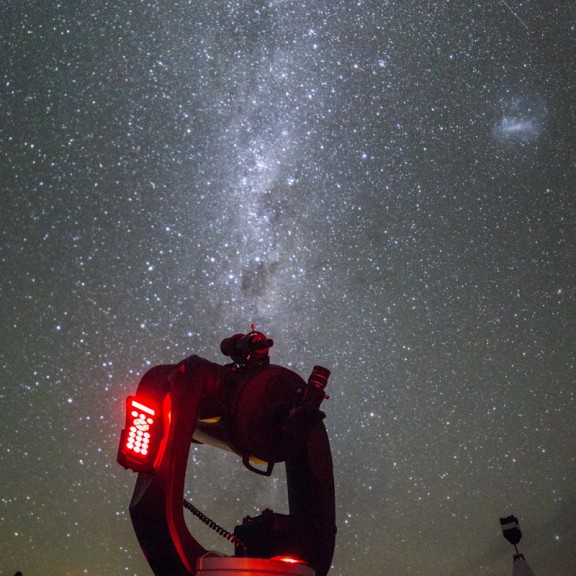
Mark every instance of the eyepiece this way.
pixel 314 391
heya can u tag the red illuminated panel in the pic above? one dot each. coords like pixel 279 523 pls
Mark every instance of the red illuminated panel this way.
pixel 140 439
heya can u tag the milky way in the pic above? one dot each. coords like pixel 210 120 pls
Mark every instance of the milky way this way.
pixel 384 188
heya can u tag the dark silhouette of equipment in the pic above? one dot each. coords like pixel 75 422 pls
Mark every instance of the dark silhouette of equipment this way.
pixel 247 349
pixel 266 414
pixel 511 531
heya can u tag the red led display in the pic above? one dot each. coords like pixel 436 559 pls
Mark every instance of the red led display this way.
pixel 140 439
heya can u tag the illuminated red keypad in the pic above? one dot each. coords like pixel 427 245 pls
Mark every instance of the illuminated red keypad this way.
pixel 137 440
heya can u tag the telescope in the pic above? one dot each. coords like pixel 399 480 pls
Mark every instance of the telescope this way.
pixel 266 414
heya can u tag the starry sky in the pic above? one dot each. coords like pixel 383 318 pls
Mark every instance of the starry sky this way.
pixel 384 187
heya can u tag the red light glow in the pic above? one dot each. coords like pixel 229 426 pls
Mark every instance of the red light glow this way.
pixel 136 438
pixel 139 438
pixel 142 407
pixel 288 559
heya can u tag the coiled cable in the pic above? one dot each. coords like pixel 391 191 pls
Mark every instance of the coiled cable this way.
pixel 216 527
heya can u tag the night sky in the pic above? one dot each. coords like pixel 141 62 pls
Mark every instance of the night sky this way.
pixel 384 187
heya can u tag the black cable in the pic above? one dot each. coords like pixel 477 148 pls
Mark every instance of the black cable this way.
pixel 211 524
